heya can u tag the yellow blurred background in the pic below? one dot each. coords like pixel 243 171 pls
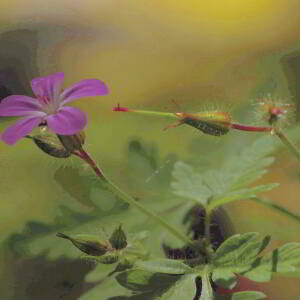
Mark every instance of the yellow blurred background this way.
pixel 149 53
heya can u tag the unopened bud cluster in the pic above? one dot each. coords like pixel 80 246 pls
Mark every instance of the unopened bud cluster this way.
pixel 59 146
pixel 103 251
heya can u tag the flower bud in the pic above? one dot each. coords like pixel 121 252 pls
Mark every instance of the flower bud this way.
pixel 275 112
pixel 118 238
pixel 72 142
pixel 50 145
pixel 88 244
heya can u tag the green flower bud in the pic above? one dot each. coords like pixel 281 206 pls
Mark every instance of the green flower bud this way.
pixel 118 238
pixel 50 145
pixel 88 244
pixel 72 142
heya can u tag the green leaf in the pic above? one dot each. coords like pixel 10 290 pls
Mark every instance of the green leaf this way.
pixel 184 288
pixel 249 295
pixel 240 254
pixel 281 260
pixel 239 250
pixel 224 278
pixel 143 281
pixel 207 292
pixel 107 289
pixel 190 184
pixel 241 194
pixel 229 182
pixel 167 266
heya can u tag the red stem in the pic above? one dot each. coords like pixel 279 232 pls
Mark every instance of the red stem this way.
pixel 251 128
pixel 86 157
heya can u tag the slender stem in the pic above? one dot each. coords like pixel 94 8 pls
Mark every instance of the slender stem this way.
pixel 147 112
pixel 284 139
pixel 244 127
pixel 207 221
pixel 208 249
pixel 128 199
pixel 85 156
pixel 277 207
pixel 288 143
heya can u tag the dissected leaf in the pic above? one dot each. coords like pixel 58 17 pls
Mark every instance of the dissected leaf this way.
pixel 229 182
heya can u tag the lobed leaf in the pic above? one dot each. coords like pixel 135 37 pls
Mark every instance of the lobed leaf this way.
pixel 228 183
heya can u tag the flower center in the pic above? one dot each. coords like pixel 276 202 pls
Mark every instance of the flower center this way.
pixel 49 106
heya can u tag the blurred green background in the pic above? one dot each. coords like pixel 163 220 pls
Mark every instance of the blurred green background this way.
pixel 201 54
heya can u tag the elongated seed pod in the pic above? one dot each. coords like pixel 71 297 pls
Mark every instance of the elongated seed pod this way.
pixel 212 123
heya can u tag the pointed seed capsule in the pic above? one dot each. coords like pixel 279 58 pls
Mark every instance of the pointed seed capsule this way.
pixel 88 244
pixel 118 238
pixel 50 145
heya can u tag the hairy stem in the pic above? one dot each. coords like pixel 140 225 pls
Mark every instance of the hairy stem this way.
pixel 285 140
pixel 128 199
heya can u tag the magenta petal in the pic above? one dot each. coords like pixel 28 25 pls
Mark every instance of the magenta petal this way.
pixel 48 86
pixel 18 130
pixel 18 105
pixel 84 88
pixel 68 120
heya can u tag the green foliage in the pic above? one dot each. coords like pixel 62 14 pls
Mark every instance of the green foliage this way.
pixel 206 292
pixel 229 183
pixel 144 162
pixel 245 296
pixel 129 271
pixel 166 266
pixel 184 288
pixel 241 254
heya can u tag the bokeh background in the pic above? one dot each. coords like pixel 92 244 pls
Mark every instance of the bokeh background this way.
pixel 222 53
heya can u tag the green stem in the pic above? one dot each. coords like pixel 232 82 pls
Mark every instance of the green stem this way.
pixel 154 113
pixel 277 207
pixel 285 140
pixel 207 221
pixel 128 199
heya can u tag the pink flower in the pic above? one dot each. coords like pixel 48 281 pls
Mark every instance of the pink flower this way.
pixel 49 107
